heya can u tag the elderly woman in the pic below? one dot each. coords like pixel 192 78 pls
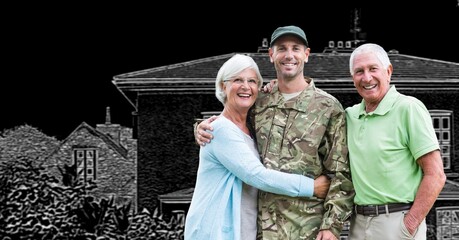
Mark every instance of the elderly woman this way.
pixel 224 203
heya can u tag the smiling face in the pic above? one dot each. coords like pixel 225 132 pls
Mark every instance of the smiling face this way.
pixel 241 90
pixel 371 79
pixel 289 55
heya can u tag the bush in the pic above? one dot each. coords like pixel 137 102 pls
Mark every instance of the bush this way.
pixel 33 205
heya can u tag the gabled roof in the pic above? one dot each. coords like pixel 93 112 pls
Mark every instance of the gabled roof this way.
pixel 329 70
pixel 118 148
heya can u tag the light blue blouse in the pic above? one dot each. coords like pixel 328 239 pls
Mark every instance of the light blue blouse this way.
pixel 226 162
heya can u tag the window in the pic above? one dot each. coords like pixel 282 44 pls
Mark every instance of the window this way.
pixel 345 233
pixel 85 159
pixel 448 222
pixel 441 120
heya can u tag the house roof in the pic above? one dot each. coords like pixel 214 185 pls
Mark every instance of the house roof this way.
pixel 330 71
pixel 450 191
pixel 120 149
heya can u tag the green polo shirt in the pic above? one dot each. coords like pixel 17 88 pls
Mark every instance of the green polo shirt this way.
pixel 384 145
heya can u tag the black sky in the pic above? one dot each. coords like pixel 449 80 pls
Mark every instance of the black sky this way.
pixel 59 61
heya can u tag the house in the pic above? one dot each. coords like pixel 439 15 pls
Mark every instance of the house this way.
pixel 168 100
pixel 106 154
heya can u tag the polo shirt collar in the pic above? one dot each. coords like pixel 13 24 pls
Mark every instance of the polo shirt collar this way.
pixel 385 105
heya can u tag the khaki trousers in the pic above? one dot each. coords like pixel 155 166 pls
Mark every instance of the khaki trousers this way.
pixel 383 227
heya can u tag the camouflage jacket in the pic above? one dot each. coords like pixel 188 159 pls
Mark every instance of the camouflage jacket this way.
pixel 306 135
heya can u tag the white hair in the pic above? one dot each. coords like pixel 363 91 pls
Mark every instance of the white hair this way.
pixel 380 53
pixel 230 69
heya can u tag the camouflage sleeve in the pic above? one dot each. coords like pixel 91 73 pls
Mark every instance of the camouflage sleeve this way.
pixel 339 202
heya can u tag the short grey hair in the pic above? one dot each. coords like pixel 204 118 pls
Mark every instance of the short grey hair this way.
pixel 380 53
pixel 233 66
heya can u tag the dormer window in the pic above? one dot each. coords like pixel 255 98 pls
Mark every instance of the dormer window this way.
pixel 85 159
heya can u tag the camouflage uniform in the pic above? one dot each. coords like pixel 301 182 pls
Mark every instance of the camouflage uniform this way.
pixel 305 136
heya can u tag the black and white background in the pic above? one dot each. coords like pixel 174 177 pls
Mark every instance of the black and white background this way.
pixel 59 59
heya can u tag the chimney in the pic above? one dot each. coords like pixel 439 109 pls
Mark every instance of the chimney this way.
pixel 264 43
pixel 107 116
pixel 111 130
pixel 331 44
pixel 264 46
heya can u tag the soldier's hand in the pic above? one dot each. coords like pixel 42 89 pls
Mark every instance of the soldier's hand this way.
pixel 201 135
pixel 321 186
pixel 269 86
pixel 326 235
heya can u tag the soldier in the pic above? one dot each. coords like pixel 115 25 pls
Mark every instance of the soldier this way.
pixel 224 204
pixel 299 129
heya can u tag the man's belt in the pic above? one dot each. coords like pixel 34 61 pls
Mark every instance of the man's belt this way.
pixel 375 210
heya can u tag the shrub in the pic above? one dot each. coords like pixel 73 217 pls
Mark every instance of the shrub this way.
pixel 33 205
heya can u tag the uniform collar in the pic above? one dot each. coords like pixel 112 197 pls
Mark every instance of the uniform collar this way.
pixel 299 103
